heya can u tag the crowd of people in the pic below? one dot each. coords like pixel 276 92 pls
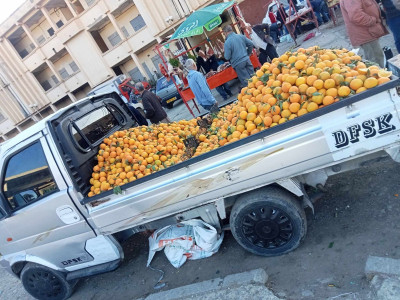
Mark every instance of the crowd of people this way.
pixel 363 20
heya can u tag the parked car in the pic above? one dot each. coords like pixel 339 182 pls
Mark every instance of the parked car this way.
pixel 166 90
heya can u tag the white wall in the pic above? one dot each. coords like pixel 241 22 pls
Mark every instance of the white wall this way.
pixel 88 58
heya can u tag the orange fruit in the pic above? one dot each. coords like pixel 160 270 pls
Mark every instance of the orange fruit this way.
pixel 384 73
pixel 361 89
pixel 332 92
pixel 252 109
pixel 329 83
pixel 275 110
pixel 300 81
pixel 344 91
pixel 294 98
pixel 302 111
pixel 251 116
pixel 267 121
pixel 317 98
pixel 382 80
pixel 294 107
pixel 318 84
pixel 328 100
pixel 303 88
pixel 324 75
pixel 312 106
pixel 299 65
pixel 311 90
pixel 243 115
pixel 356 83
pixel 370 82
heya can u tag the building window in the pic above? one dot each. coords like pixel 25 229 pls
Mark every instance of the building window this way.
pixel 46 85
pixel 136 75
pixel 41 39
pixel 50 31
pixel 124 31
pixel 2 118
pixel 24 53
pixel 74 67
pixel 114 39
pixel 60 24
pixel 138 23
pixel 64 73
pixel 27 180
pixel 32 46
pixel 54 78
pixel 90 2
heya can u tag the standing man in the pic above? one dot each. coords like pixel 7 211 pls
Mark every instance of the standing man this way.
pixel 198 85
pixel 152 106
pixel 392 10
pixel 237 49
pixel 364 26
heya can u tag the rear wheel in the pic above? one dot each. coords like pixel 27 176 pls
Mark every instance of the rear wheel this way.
pixel 268 222
pixel 169 105
pixel 44 283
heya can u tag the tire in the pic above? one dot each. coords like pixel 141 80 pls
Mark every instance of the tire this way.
pixel 44 283
pixel 268 222
pixel 169 105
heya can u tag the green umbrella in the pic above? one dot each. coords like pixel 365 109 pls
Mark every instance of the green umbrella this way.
pixel 208 17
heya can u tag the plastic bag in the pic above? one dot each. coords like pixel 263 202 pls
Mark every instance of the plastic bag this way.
pixel 193 239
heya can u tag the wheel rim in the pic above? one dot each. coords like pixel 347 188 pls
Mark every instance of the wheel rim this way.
pixel 44 284
pixel 267 227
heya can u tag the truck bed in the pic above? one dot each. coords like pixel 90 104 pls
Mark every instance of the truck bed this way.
pixel 369 120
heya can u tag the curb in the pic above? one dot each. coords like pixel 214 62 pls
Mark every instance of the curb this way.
pixel 381 265
pixel 257 277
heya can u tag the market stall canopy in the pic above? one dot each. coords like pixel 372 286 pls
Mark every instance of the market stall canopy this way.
pixel 207 17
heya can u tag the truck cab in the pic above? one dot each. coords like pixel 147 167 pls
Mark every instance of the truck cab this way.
pixel 46 238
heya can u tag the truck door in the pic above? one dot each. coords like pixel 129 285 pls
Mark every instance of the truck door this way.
pixel 43 225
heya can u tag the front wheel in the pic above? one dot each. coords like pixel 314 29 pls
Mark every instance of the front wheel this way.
pixel 44 283
pixel 268 222
pixel 169 105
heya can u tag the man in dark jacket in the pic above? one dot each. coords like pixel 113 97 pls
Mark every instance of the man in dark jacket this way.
pixel 152 106
pixel 260 35
pixel 393 19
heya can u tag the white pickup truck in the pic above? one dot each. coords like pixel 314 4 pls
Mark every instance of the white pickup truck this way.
pixel 51 233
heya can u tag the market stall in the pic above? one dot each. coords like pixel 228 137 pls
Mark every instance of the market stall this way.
pixel 293 16
pixel 209 18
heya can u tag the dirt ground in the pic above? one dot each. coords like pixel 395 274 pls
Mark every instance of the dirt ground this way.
pixel 357 217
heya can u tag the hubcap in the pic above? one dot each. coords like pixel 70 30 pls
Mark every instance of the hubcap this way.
pixel 267 227
pixel 44 284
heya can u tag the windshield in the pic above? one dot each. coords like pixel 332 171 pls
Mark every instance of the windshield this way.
pixel 163 82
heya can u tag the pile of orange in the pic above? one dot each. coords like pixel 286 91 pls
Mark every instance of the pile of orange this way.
pixel 295 84
pixel 131 154
pixel 290 86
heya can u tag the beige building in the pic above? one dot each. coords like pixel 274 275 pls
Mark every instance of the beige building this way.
pixel 53 52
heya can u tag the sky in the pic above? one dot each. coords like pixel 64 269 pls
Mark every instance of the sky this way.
pixel 8 7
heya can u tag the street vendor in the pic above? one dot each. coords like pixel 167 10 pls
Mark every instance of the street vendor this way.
pixel 198 85
pixel 208 64
pixel 237 50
